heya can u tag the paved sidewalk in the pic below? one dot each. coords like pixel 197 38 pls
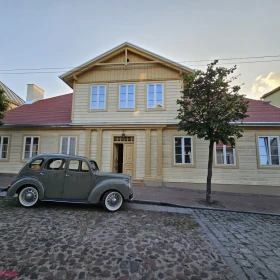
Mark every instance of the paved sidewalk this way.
pixel 196 198
pixel 222 200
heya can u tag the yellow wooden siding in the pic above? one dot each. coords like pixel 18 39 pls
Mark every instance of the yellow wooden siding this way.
pixel 247 172
pixel 154 153
pixel 49 143
pixel 81 148
pixel 93 145
pixel 139 141
pixel 274 98
pixel 82 114
pixel 128 73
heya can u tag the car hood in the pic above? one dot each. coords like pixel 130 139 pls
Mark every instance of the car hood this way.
pixel 113 175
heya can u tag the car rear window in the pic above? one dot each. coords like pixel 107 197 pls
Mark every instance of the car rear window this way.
pixel 55 164
pixel 36 164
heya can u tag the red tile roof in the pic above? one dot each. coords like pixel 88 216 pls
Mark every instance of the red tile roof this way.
pixel 55 110
pixel 260 111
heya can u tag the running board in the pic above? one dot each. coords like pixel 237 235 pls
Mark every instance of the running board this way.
pixel 66 201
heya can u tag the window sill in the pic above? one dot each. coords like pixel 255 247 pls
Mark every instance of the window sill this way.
pixel 184 165
pixel 154 109
pixel 4 159
pixel 126 110
pixel 269 167
pixel 226 166
pixel 97 110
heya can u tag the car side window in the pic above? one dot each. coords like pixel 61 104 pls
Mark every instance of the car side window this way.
pixel 78 166
pixel 55 164
pixel 36 164
pixel 74 165
pixel 84 167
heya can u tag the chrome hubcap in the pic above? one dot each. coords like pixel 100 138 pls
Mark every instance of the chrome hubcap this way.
pixel 28 196
pixel 113 199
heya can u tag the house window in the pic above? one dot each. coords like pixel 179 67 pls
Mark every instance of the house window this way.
pixel 269 150
pixel 4 143
pixel 98 98
pixel 155 96
pixel 68 145
pixel 183 150
pixel 127 97
pixel 224 154
pixel 31 146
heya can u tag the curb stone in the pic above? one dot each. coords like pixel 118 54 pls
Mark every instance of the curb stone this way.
pixel 160 203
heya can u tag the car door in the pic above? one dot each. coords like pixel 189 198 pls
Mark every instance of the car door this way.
pixel 78 180
pixel 52 177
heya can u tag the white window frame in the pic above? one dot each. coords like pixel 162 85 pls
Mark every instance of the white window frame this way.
pixel 155 95
pixel 1 147
pixel 68 143
pixel 126 95
pixel 98 93
pixel 269 154
pixel 225 156
pixel 31 146
pixel 183 149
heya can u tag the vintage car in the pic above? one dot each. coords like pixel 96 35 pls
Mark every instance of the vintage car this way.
pixel 64 178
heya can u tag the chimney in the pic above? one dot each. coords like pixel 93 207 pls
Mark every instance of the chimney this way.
pixel 34 93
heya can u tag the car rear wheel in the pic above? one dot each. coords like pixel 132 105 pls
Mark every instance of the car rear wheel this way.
pixel 28 196
pixel 112 201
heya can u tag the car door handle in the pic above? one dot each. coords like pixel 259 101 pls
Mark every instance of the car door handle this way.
pixel 67 175
pixel 42 173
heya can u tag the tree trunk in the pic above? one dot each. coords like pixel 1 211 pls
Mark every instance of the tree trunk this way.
pixel 209 175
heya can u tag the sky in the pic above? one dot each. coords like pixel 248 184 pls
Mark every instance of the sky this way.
pixel 66 33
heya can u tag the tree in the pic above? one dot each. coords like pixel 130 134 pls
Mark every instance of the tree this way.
pixel 210 107
pixel 4 105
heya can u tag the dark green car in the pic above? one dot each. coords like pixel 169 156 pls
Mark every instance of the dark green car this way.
pixel 64 178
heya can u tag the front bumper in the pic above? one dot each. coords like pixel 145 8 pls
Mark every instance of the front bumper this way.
pixel 5 189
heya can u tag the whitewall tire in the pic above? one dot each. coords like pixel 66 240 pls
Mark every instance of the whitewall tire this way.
pixel 28 196
pixel 112 201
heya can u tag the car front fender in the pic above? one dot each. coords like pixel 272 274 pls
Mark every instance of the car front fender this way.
pixel 122 186
pixel 26 181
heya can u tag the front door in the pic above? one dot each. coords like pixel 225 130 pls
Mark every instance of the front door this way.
pixel 128 158
pixel 78 180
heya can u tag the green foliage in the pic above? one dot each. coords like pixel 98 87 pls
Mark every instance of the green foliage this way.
pixel 4 104
pixel 210 105
pixel 211 108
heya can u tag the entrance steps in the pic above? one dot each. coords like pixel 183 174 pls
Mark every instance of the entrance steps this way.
pixel 138 183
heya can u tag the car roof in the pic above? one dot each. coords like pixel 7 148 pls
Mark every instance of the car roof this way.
pixel 59 156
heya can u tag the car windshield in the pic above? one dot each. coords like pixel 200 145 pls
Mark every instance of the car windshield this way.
pixel 94 165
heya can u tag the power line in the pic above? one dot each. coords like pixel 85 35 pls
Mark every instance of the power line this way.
pixel 9 71
pixel 33 69
pixel 22 73
pixel 232 58
pixel 242 62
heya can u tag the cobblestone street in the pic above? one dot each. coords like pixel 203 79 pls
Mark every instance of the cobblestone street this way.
pixel 250 241
pixel 60 241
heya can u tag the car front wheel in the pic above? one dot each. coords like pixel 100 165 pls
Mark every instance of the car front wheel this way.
pixel 28 196
pixel 112 201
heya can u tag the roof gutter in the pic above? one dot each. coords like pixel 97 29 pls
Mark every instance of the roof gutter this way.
pixel 34 125
pixel 128 123
pixel 257 123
